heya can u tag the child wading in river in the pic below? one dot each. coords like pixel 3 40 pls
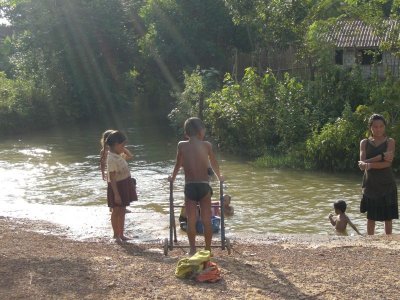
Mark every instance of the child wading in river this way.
pixel 195 156
pixel 127 155
pixel 121 186
pixel 341 220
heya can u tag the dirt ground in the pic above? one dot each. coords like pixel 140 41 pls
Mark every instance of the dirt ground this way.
pixel 36 265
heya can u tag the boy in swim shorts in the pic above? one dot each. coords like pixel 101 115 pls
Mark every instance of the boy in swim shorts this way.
pixel 195 156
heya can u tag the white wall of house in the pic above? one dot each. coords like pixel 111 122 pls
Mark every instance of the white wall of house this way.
pixel 389 63
pixel 349 57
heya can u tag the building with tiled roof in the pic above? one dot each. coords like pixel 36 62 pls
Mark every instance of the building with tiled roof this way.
pixel 358 43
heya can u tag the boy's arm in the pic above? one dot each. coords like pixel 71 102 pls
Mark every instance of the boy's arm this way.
pixel 178 164
pixel 213 161
pixel 333 222
pixel 352 225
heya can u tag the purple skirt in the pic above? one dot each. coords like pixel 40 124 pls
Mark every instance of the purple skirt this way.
pixel 127 191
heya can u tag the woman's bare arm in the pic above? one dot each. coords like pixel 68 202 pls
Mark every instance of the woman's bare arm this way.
pixel 376 162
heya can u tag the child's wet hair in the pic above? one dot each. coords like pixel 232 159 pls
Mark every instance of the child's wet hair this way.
pixel 115 137
pixel 193 126
pixel 340 205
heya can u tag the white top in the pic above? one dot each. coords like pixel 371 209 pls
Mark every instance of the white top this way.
pixel 116 163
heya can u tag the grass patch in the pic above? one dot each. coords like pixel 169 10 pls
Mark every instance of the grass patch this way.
pixel 287 161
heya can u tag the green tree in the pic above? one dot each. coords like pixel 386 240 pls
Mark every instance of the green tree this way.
pixel 292 113
pixel 336 146
pixel 183 34
pixel 191 102
pixel 385 96
pixel 77 51
pixel 241 114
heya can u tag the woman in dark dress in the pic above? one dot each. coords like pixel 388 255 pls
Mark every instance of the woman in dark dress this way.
pixel 379 198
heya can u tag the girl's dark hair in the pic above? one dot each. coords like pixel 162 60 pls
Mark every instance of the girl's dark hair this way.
pixel 104 136
pixel 376 117
pixel 115 137
pixel 103 152
pixel 340 205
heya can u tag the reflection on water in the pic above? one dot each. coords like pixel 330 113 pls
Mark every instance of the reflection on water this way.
pixel 55 176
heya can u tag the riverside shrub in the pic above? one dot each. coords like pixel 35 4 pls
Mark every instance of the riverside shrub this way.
pixel 241 114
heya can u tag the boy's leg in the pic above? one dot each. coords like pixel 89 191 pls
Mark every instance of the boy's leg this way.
pixel 191 208
pixel 205 208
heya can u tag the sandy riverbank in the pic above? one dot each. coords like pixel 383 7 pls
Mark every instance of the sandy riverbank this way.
pixel 38 265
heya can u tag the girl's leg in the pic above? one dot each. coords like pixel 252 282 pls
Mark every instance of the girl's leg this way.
pixel 388 226
pixel 191 208
pixel 370 227
pixel 123 237
pixel 205 209
pixel 119 212
pixel 114 222
pixel 121 221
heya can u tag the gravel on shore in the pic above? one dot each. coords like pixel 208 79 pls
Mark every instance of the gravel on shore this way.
pixel 38 262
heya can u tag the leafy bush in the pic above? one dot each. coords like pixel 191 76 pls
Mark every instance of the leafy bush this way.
pixel 191 102
pixel 21 106
pixel 292 113
pixel 385 96
pixel 336 146
pixel 241 114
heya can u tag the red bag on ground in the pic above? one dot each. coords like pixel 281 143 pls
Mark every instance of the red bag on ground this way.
pixel 210 273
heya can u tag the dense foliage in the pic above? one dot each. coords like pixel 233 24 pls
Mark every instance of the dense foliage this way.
pixel 73 52
pixel 67 61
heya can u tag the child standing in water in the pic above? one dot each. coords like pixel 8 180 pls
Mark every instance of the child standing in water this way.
pixel 121 189
pixel 127 155
pixel 341 220
pixel 195 156
pixel 379 199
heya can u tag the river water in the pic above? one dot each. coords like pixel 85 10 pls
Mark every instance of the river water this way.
pixel 54 176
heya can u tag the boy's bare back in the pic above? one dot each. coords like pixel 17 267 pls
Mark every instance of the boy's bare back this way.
pixel 341 222
pixel 195 157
